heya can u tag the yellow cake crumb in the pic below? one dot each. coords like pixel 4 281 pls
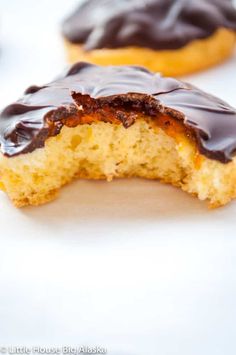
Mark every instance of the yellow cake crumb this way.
pixel 106 151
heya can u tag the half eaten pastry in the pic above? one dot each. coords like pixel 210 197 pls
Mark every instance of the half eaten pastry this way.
pixel 106 122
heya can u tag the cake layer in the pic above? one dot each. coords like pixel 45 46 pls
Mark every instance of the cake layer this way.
pixel 105 150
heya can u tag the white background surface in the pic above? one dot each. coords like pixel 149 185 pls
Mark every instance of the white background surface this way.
pixel 134 266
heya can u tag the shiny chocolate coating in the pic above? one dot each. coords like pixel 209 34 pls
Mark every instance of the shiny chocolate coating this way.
pixel 123 92
pixel 155 24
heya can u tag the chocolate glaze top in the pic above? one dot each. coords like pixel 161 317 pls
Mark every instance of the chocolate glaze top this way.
pixel 87 88
pixel 156 24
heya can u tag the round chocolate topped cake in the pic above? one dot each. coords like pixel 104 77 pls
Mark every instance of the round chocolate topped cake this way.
pixel 104 122
pixel 174 37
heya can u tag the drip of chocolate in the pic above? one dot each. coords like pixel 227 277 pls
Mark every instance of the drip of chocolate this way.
pixel 88 89
pixel 156 24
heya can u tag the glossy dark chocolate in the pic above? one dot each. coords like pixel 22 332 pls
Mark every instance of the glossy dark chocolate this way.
pixel 122 92
pixel 156 24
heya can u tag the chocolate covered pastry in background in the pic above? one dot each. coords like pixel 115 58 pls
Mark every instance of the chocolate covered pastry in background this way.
pixel 101 122
pixel 174 37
